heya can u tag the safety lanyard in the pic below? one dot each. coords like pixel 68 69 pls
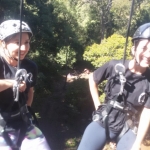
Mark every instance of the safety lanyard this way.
pixel 128 29
pixel 20 37
pixel 120 68
pixel 21 74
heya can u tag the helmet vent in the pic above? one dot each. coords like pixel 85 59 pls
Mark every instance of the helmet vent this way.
pixel 14 25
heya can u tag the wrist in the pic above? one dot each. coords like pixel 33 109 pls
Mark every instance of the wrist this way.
pixel 14 84
pixel 137 144
pixel 97 106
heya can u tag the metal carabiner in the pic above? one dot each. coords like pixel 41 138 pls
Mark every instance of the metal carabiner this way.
pixel 122 81
pixel 21 75
pixel 120 70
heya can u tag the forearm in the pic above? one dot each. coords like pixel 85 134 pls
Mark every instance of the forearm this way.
pixel 94 91
pixel 30 97
pixel 143 126
pixel 5 84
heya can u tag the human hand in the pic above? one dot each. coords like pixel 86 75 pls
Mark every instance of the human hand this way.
pixel 136 147
pixel 22 86
pixel 112 145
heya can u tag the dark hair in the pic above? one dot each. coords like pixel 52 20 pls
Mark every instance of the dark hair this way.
pixel 136 43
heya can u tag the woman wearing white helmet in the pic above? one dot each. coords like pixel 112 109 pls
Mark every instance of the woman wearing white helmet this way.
pixel 17 130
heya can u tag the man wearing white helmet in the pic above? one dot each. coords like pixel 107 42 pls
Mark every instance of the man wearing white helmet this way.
pixel 17 130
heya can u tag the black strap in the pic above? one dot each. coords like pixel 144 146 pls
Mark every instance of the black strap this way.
pixel 128 29
pixel 11 117
pixel 109 108
pixel 107 128
pixel 22 133
pixel 35 121
pixel 9 141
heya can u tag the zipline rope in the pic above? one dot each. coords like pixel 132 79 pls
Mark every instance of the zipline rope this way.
pixel 128 29
pixel 17 77
pixel 20 38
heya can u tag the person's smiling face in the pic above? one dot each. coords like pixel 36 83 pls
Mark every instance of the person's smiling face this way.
pixel 142 53
pixel 12 46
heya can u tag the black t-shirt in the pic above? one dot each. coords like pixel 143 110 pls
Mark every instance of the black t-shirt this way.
pixel 8 72
pixel 134 88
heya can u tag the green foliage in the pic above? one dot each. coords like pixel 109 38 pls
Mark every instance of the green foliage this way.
pixel 72 142
pixel 78 98
pixel 48 73
pixel 141 14
pixel 66 29
pixel 66 56
pixel 101 87
pixel 77 93
pixel 9 9
pixel 120 15
pixel 110 48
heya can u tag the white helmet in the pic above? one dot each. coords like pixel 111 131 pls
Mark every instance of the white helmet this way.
pixel 11 27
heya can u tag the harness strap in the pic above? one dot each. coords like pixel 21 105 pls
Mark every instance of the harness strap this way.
pixel 5 133
pixel 34 119
pixel 22 133
pixel 27 121
pixel 129 110
pixel 9 141
pixel 107 127
pixel 108 110
pixel 129 124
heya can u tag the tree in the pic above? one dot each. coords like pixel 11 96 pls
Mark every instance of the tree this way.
pixel 9 9
pixel 99 13
pixel 110 48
